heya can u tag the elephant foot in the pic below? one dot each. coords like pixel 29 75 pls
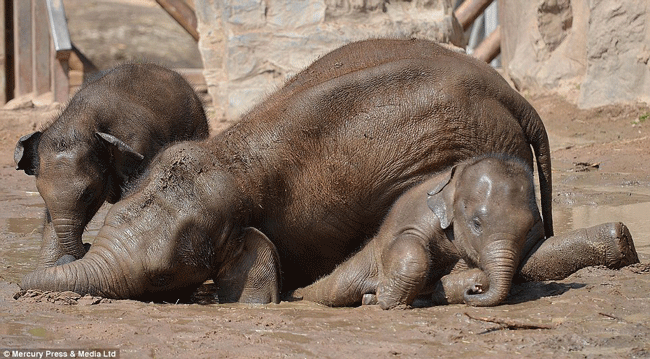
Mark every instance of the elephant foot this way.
pixel 621 251
pixel 607 244
pixel 369 299
pixel 69 258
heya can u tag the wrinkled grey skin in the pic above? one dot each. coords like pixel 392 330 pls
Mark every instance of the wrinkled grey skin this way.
pixel 309 174
pixel 480 214
pixel 104 139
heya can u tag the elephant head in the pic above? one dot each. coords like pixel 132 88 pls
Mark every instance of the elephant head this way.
pixel 487 206
pixel 75 177
pixel 185 224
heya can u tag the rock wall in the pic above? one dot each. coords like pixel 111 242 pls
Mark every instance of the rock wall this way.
pixel 595 52
pixel 250 47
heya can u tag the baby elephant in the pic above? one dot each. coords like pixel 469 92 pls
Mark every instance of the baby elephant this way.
pixel 484 216
pixel 104 139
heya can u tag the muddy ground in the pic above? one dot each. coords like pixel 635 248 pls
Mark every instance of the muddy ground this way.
pixel 601 162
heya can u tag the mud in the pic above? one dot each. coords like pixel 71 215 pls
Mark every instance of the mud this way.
pixel 601 168
pixel 595 312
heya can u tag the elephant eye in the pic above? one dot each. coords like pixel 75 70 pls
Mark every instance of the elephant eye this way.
pixel 88 196
pixel 475 225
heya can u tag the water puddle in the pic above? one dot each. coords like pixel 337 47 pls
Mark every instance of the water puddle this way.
pixel 18 329
pixel 635 217
pixel 25 225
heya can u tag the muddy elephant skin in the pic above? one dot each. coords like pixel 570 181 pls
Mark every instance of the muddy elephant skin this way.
pixel 307 176
pixel 479 214
pixel 104 139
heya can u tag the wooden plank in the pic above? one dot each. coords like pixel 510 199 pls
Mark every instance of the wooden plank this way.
pixel 60 71
pixel 183 14
pixel 40 48
pixel 3 56
pixel 469 10
pixel 22 47
pixel 490 47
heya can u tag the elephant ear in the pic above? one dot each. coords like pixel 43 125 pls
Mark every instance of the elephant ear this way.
pixel 441 198
pixel 125 159
pixel 26 153
pixel 253 276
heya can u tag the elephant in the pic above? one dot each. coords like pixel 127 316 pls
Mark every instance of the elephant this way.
pixel 304 178
pixel 481 213
pixel 101 142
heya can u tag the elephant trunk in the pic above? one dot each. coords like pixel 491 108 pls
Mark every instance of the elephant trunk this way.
pixel 69 232
pixel 94 274
pixel 499 261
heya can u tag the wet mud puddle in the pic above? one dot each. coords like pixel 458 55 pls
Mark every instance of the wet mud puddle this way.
pixel 21 224
pixel 581 203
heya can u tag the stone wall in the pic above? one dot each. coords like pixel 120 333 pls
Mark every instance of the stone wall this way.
pixel 250 47
pixel 595 52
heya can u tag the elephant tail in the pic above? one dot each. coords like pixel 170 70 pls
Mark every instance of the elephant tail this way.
pixel 536 136
pixel 539 141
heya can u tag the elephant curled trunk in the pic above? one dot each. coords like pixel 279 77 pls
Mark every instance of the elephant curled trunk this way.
pixel 499 260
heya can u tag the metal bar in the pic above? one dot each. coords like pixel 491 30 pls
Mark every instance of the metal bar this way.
pixel 183 14
pixel 469 10
pixel 59 27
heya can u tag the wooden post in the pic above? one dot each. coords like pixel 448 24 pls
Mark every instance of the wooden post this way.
pixel 60 75
pixel 22 47
pixel 469 10
pixel 63 47
pixel 40 48
pixel 3 56
pixel 490 47
pixel 183 14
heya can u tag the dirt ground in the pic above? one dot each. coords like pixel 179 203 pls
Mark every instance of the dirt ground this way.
pixel 601 173
pixel 600 162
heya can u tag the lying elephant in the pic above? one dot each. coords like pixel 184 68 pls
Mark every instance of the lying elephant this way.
pixel 483 212
pixel 104 138
pixel 304 178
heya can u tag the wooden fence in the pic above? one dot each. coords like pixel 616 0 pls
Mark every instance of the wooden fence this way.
pixel 38 55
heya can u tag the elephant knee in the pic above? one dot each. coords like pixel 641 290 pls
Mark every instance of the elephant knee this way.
pixel 407 257
pixel 405 264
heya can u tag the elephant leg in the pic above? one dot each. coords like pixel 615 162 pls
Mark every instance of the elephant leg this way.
pixel 608 244
pixel 253 276
pixel 348 284
pixel 405 265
